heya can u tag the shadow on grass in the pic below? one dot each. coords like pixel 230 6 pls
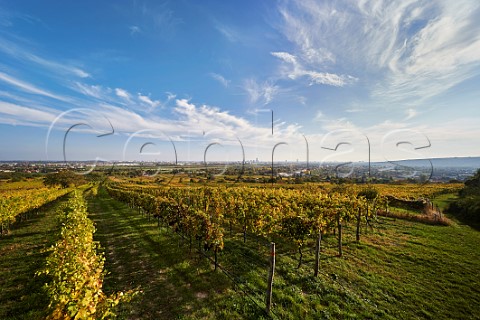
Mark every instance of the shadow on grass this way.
pixel 463 220
pixel 22 254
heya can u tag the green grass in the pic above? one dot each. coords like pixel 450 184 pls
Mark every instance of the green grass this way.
pixel 404 270
pixel 401 270
pixel 22 253
pixel 442 201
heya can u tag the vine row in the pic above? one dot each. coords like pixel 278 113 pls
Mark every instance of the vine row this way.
pixel 76 269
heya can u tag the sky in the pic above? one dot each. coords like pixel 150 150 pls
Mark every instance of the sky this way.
pixel 239 80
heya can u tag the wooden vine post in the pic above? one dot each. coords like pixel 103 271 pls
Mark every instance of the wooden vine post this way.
pixel 358 225
pixel 339 223
pixel 216 257
pixel 270 277
pixel 317 252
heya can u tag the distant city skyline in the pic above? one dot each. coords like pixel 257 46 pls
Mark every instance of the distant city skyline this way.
pixel 188 80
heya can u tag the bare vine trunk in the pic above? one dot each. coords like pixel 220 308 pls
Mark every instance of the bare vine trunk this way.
pixel 339 235
pixel 358 225
pixel 300 260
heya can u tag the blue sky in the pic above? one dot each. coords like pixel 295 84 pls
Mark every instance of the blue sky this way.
pixel 127 80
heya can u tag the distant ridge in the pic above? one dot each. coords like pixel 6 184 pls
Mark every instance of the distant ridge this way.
pixel 453 162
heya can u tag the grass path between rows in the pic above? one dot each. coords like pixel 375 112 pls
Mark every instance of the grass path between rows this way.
pixel 22 253
pixel 175 283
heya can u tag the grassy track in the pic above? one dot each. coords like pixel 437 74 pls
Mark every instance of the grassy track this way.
pixel 21 255
pixel 402 270
pixel 443 200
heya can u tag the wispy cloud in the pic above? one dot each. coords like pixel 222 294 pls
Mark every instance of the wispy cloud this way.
pixel 140 101
pixel 228 32
pixel 186 118
pixel 411 113
pixel 20 53
pixel 220 79
pixel 93 91
pixel 134 30
pixel 156 19
pixel 318 116
pixel 123 94
pixel 354 110
pixel 294 69
pixel 207 118
pixel 60 68
pixel 260 93
pixel 28 87
pixel 9 18
pixel 407 51
pixel 230 127
pixel 148 101
pixel 16 114
pixel 5 19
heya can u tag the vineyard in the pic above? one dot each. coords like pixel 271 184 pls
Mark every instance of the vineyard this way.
pixel 22 199
pixel 341 251
pixel 213 219
pixel 204 214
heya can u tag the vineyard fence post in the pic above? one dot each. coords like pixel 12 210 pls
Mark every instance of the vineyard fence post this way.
pixel 270 277
pixel 339 235
pixel 317 252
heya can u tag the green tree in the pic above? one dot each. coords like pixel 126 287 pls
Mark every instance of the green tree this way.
pixel 467 207
pixel 63 179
